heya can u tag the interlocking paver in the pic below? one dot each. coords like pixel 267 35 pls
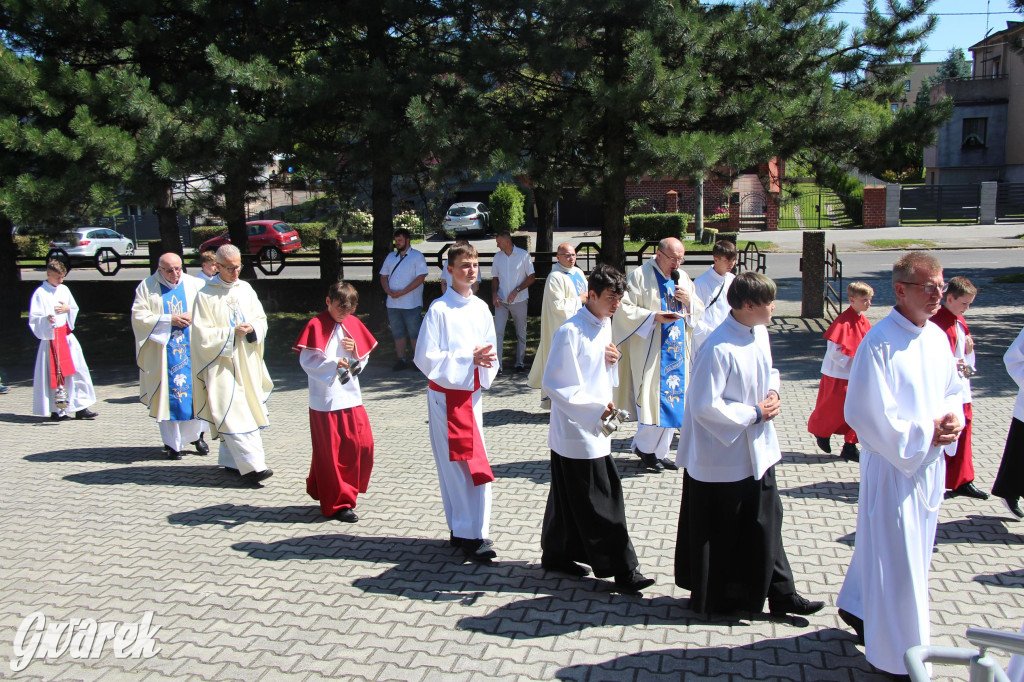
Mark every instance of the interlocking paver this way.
pixel 255 585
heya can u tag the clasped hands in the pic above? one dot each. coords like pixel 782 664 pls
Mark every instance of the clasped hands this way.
pixel 770 406
pixel 947 429
pixel 181 320
pixel 243 329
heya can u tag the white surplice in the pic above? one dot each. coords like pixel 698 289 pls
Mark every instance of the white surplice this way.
pixel 231 382
pixel 152 329
pixel 712 289
pixel 326 392
pixel 561 301
pixel 453 326
pixel 722 439
pixel 579 382
pixel 81 393
pixel 903 377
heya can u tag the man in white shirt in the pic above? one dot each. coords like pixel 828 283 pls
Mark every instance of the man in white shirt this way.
pixel 585 519
pixel 712 288
pixel 511 277
pixel 729 551
pixel 402 277
pixel 904 402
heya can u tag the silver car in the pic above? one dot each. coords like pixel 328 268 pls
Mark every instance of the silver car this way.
pixel 87 242
pixel 468 216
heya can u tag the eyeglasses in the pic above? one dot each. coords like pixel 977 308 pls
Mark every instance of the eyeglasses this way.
pixel 170 269
pixel 674 259
pixel 229 268
pixel 930 288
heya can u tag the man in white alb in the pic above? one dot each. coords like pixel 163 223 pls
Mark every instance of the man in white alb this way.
pixel 161 321
pixel 904 402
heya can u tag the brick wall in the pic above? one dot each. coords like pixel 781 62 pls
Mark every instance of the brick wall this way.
pixel 654 190
pixel 874 207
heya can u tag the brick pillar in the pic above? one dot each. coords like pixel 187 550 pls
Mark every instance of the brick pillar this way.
pixel 671 201
pixel 772 211
pixel 874 206
pixel 734 212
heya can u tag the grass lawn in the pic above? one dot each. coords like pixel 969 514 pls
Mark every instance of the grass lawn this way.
pixel 798 208
pixel 1012 278
pixel 898 243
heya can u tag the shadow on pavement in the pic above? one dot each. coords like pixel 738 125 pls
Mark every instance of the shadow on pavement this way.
pixel 1007 579
pixel 114 455
pixel 507 416
pixel 11 418
pixel 815 653
pixel 229 515
pixel 210 476
pixel 972 530
pixel 847 492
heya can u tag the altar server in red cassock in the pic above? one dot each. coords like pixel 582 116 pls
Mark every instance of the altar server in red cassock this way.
pixel 333 349
pixel 950 319
pixel 844 336
pixel 456 351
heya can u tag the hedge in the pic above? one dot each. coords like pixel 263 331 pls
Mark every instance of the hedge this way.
pixel 32 245
pixel 656 226
pixel 506 204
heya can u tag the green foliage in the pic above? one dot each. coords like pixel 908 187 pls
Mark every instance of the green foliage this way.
pixel 506 204
pixel 32 245
pixel 355 224
pixel 200 233
pixel 311 233
pixel 410 220
pixel 657 226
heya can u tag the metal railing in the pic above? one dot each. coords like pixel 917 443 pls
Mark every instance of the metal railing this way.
pixel 983 668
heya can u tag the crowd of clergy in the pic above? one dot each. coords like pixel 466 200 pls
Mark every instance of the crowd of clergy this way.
pixel 684 359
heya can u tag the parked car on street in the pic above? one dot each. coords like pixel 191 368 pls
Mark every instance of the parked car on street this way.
pixel 468 216
pixel 267 238
pixel 89 243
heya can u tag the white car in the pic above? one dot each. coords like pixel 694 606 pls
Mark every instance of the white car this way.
pixel 468 216
pixel 87 242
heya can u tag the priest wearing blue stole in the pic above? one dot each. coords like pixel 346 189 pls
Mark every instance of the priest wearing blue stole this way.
pixel 654 330
pixel 162 320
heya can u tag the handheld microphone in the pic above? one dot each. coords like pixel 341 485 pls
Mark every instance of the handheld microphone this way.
pixel 675 277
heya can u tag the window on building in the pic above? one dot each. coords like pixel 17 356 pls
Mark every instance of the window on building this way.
pixel 975 131
pixel 133 209
pixel 906 85
pixel 894 107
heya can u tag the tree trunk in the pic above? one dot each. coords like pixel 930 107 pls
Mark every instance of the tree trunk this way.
pixel 167 221
pixel 546 201
pixel 383 227
pixel 234 215
pixel 10 275
pixel 613 183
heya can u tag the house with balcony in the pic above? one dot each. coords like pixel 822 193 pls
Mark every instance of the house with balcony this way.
pixel 984 139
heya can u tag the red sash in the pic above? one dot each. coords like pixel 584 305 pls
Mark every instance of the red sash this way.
pixel 464 441
pixel 60 353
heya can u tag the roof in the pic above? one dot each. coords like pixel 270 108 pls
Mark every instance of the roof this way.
pixel 1011 28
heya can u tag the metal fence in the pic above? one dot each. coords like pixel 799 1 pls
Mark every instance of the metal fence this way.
pixel 1010 201
pixel 940 203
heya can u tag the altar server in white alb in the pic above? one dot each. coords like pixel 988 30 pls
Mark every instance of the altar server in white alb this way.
pixel 712 288
pixel 729 551
pixel 161 321
pixel 229 329
pixel 904 402
pixel 61 373
pixel 565 292
pixel 456 353
pixel 654 328
pixel 585 518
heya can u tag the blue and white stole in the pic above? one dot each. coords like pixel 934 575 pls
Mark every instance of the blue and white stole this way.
pixel 179 357
pixel 578 281
pixel 673 358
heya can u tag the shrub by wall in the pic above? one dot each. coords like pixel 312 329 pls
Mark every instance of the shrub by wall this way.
pixel 656 226
pixel 32 245
pixel 506 204
pixel 310 233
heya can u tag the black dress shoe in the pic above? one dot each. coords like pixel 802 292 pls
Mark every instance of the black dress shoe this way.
pixel 455 541
pixel 201 447
pixel 254 477
pixel 669 464
pixel 400 365
pixel 54 417
pixel 85 414
pixel 850 452
pixel 346 515
pixel 854 622
pixel 969 490
pixel 519 369
pixel 477 550
pixel 651 461
pixel 1014 506
pixel 794 605
pixel 632 582
pixel 568 567
pixel 824 443
pixel 171 453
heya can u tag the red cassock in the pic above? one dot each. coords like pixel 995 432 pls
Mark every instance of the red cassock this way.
pixel 846 331
pixel 959 467
pixel 342 439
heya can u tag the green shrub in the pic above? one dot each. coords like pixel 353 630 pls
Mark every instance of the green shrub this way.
pixel 506 204
pixel 32 245
pixel 652 227
pixel 310 233
pixel 200 233
pixel 410 220
pixel 355 224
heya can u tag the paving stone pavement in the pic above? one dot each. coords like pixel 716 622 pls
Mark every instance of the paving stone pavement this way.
pixel 252 584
